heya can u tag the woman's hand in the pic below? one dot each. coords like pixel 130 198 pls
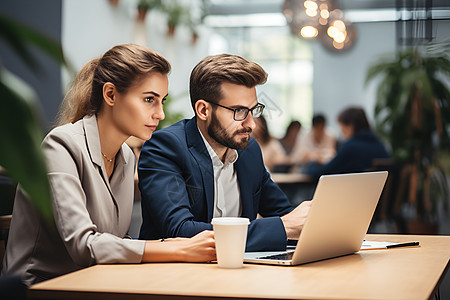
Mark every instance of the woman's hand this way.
pixel 199 248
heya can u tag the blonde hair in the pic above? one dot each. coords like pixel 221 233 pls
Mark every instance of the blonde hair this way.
pixel 122 65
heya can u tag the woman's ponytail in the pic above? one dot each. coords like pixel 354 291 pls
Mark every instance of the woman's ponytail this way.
pixel 77 102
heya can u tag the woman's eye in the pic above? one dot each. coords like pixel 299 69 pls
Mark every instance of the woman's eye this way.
pixel 149 99
pixel 163 100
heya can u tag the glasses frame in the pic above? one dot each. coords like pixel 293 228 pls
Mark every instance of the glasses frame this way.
pixel 235 109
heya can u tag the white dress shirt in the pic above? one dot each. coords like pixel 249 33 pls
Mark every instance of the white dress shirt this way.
pixel 321 151
pixel 227 196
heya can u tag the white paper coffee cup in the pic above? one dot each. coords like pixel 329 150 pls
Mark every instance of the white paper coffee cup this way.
pixel 231 237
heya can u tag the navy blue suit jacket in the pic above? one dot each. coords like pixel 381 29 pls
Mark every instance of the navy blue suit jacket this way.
pixel 354 155
pixel 176 180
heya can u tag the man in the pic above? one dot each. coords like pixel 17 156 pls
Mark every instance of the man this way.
pixel 209 166
pixel 317 146
pixel 358 150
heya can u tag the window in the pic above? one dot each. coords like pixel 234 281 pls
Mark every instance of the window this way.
pixel 288 61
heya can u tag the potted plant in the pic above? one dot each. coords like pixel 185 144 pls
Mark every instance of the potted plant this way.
pixel 195 19
pixel 193 29
pixel 20 132
pixel 176 14
pixel 144 6
pixel 114 3
pixel 412 113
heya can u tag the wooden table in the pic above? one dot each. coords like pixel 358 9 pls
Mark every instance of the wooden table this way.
pixel 297 187
pixel 290 178
pixel 401 273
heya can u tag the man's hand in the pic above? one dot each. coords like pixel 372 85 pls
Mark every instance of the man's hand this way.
pixel 293 222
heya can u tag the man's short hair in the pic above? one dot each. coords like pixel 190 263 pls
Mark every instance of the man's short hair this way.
pixel 318 119
pixel 354 116
pixel 209 74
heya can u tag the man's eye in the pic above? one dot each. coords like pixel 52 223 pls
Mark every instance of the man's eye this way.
pixel 241 110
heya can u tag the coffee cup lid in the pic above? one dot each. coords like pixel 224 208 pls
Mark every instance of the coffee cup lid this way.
pixel 230 221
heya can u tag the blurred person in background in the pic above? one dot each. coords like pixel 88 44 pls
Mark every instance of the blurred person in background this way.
pixel 290 138
pixel 358 150
pixel 317 146
pixel 272 150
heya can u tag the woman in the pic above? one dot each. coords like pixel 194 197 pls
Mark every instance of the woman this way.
pixel 91 171
pixel 290 137
pixel 360 147
pixel 273 153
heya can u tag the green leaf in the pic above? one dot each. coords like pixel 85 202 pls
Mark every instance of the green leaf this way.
pixel 20 133
pixel 20 153
pixel 423 73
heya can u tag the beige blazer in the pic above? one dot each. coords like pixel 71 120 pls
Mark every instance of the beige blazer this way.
pixel 92 214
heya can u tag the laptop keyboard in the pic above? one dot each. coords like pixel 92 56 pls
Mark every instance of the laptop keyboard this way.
pixel 283 256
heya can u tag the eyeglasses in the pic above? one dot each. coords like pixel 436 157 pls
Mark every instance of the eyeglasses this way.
pixel 241 113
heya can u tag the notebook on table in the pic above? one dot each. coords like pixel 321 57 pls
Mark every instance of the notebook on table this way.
pixel 341 212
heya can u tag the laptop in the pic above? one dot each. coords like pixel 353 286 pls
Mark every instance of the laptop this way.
pixel 340 214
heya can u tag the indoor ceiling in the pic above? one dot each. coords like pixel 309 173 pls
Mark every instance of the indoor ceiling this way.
pixel 390 4
pixel 440 8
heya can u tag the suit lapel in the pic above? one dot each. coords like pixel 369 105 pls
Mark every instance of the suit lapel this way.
pixel 243 176
pixel 198 150
pixel 93 145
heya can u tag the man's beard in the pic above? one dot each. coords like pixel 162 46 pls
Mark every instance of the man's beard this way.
pixel 221 136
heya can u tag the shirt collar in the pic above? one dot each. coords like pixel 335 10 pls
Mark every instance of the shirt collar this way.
pixel 231 155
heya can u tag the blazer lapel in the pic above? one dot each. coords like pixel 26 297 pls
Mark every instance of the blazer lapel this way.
pixel 93 145
pixel 244 177
pixel 119 170
pixel 201 155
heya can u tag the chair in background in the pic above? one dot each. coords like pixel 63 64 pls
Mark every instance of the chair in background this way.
pixel 11 286
pixel 7 193
pixel 5 222
pixel 387 217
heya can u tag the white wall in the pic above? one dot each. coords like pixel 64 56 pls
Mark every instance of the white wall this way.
pixel 92 27
pixel 339 77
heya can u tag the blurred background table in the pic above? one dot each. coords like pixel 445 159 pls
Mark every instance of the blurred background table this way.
pixel 297 187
